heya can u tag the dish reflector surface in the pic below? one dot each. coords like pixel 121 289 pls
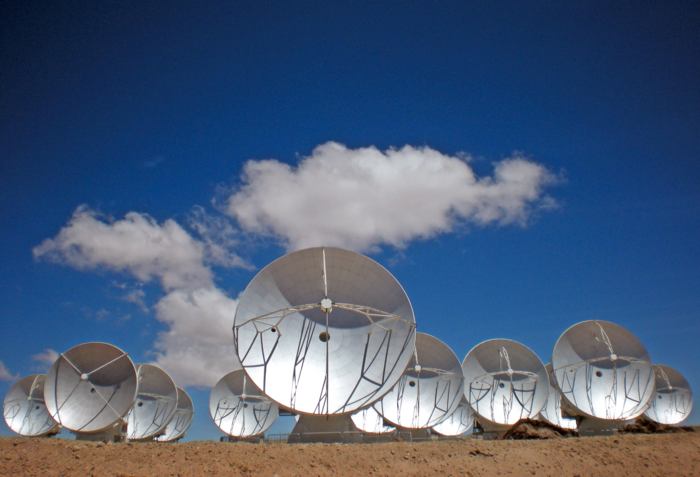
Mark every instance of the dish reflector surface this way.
pixel 182 419
pixel 156 402
pixel 370 421
pixel 239 408
pixel 324 331
pixel 551 412
pixel 458 423
pixel 428 391
pixel 504 381
pixel 672 401
pixel 24 409
pixel 90 387
pixel 603 371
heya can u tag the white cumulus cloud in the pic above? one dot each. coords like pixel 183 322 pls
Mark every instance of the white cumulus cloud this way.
pixel 45 359
pixel 364 198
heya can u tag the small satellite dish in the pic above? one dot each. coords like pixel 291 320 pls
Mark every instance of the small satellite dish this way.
pixel 603 371
pixel 182 419
pixel 370 421
pixel 672 401
pixel 324 331
pixel 504 381
pixel 459 422
pixel 24 409
pixel 156 401
pixel 90 387
pixel 551 412
pixel 239 408
pixel 429 389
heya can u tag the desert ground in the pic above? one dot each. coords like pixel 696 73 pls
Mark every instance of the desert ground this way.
pixel 621 455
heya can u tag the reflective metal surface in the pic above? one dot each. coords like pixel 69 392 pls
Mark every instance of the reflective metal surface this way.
pixel 182 419
pixel 459 422
pixel 370 421
pixel 239 408
pixel 24 409
pixel 504 381
pixel 90 387
pixel 429 389
pixel 603 371
pixel 324 331
pixel 551 412
pixel 672 401
pixel 156 401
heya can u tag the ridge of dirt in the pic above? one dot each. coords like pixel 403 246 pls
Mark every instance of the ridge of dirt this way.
pixel 535 429
pixel 621 455
pixel 644 425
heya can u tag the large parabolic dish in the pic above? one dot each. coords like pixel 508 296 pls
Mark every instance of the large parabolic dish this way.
pixel 458 423
pixel 324 331
pixel 603 371
pixel 672 401
pixel 429 389
pixel 156 401
pixel 551 412
pixel 370 421
pixel 90 387
pixel 24 409
pixel 182 419
pixel 239 408
pixel 504 381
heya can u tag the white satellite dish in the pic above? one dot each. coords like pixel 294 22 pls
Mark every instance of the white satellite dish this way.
pixel 156 402
pixel 551 412
pixel 370 421
pixel 90 388
pixel 24 409
pixel 504 381
pixel 239 408
pixel 182 419
pixel 324 331
pixel 429 389
pixel 604 373
pixel 459 422
pixel 672 401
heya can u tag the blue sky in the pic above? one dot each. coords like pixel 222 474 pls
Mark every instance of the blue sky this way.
pixel 153 109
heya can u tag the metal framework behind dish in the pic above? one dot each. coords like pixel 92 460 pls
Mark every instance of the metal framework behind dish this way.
pixel 429 389
pixel 459 422
pixel 603 377
pixel 672 401
pixel 90 387
pixel 156 402
pixel 551 412
pixel 504 381
pixel 370 421
pixel 24 409
pixel 309 361
pixel 239 408
pixel 181 421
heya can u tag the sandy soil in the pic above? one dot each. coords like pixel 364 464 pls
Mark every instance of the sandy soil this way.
pixel 623 455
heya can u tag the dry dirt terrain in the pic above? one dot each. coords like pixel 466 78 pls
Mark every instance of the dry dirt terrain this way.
pixel 622 455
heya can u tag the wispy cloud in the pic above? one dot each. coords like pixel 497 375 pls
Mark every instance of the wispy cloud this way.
pixel 154 162
pixel 45 359
pixel 364 198
pixel 5 374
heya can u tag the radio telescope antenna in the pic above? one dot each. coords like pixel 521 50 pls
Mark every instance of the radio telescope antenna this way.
pixel 429 389
pixel 672 401
pixel 239 408
pixel 459 422
pixel 156 402
pixel 551 412
pixel 604 373
pixel 24 409
pixel 182 419
pixel 361 350
pixel 504 381
pixel 370 421
pixel 90 389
